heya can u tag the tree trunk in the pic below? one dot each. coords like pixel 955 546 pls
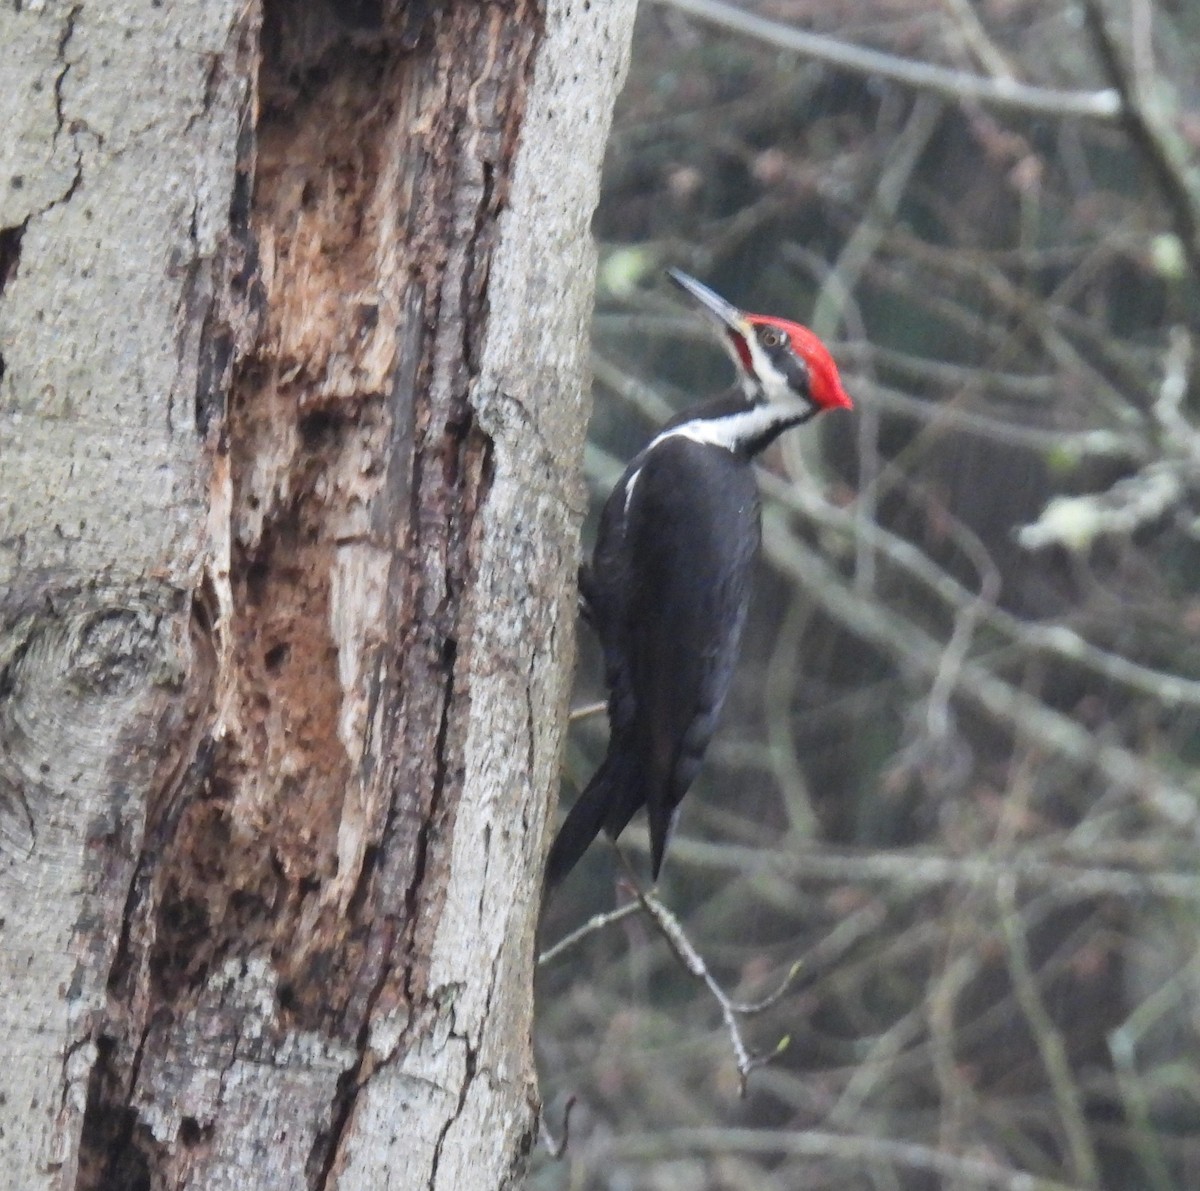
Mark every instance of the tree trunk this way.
pixel 292 322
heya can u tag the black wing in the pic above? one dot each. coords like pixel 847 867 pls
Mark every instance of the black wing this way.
pixel 667 593
pixel 692 531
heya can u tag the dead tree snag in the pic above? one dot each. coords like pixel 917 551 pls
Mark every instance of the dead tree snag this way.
pixel 293 614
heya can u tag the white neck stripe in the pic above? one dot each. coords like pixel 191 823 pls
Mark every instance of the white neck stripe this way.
pixel 735 432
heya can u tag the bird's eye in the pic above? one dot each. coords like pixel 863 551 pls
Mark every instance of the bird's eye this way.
pixel 769 337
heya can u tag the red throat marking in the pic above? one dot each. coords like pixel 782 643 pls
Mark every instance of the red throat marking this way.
pixel 743 350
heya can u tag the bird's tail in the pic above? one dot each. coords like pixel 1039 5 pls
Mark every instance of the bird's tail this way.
pixel 602 804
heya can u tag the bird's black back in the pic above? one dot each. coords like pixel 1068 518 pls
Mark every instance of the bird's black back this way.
pixel 667 592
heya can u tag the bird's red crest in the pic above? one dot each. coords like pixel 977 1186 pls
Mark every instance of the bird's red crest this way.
pixel 825 383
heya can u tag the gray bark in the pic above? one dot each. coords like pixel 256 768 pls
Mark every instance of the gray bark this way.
pixel 292 328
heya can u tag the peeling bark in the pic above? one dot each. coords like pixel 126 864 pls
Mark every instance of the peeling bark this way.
pixel 292 322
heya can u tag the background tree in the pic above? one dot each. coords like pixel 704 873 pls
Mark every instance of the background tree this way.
pixel 957 783
pixel 293 298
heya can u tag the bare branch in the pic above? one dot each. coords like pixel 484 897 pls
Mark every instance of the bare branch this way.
pixel 1064 875
pixel 778 696
pixel 1101 444
pixel 587 711
pixel 672 931
pixel 910 644
pixel 1075 522
pixel 864 241
pixel 1048 1038
pixel 1123 1043
pixel 827 951
pixel 953 84
pixel 1054 639
pixel 976 39
pixel 1151 131
pixel 556 1147
pixel 590 927
pixel 855 1149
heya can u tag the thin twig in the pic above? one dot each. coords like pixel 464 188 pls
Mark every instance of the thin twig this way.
pixel 672 931
pixel 849 932
pixel 557 1147
pixel 836 300
pixel 778 699
pixel 967 619
pixel 590 927
pixel 1085 1165
pixel 587 711
pixel 899 163
pixel 670 928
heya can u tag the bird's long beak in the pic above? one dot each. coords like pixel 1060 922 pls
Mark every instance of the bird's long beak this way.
pixel 730 317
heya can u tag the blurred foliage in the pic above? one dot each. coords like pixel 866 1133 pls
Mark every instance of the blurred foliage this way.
pixel 956 779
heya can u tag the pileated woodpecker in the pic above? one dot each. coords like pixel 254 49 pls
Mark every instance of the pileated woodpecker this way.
pixel 669 583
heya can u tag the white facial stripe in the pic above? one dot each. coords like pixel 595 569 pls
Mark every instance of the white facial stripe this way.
pixel 733 431
pixel 773 382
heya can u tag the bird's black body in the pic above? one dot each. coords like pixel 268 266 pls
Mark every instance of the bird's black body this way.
pixel 667 594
